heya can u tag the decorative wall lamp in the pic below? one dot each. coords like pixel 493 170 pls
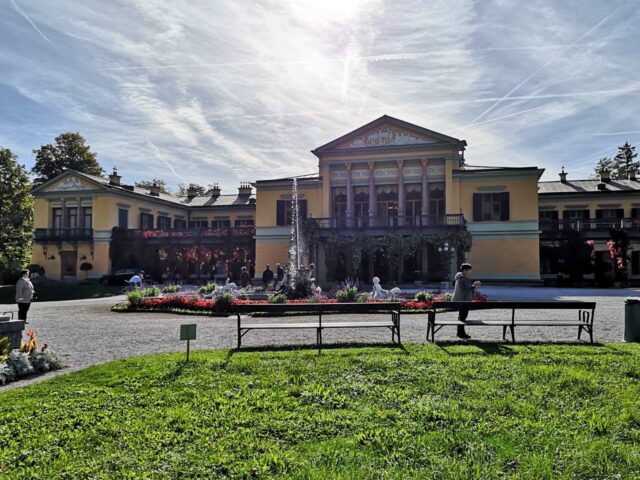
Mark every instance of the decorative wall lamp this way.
pixel 446 248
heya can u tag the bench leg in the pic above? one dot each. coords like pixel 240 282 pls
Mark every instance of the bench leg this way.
pixel 513 335
pixel 580 331
pixel 504 332
pixel 239 334
pixel 319 340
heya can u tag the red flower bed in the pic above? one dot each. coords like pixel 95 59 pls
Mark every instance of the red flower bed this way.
pixel 197 304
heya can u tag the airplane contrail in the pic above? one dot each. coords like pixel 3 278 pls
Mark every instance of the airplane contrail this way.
pixel 543 67
pixel 495 119
pixel 19 10
pixel 161 157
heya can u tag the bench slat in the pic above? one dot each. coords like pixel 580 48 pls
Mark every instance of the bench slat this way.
pixel 254 326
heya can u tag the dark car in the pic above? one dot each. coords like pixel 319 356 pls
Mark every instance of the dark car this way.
pixel 120 277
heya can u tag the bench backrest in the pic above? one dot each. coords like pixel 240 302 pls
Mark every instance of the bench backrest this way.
pixel 553 305
pixel 375 307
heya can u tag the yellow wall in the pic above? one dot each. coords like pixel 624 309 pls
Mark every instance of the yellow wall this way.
pixel 266 203
pixel 523 196
pixel 593 204
pixel 270 254
pixel 505 257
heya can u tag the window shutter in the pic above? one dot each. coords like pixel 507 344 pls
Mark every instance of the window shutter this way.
pixel 635 213
pixel 142 225
pixel 554 215
pixel 598 213
pixel 303 209
pixel 620 213
pixel 586 214
pixel 477 207
pixel 504 214
pixel 280 212
pixel 565 214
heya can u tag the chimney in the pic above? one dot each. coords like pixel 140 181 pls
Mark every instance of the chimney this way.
pixel 563 176
pixel 154 190
pixel 605 175
pixel 114 178
pixel 244 189
pixel 191 193
pixel 215 190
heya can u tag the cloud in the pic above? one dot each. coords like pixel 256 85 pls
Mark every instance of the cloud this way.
pixel 201 91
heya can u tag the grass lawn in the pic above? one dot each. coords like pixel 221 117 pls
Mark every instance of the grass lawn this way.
pixel 51 291
pixel 447 411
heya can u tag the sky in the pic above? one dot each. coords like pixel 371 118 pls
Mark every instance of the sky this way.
pixel 229 91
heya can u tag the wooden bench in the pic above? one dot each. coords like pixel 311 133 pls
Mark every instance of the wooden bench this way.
pixel 320 309
pixel 584 320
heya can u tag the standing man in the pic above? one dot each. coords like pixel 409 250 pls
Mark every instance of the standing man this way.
pixel 267 276
pixel 463 292
pixel 24 294
pixel 279 273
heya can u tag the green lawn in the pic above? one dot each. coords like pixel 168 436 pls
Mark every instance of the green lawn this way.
pixel 448 411
pixel 51 291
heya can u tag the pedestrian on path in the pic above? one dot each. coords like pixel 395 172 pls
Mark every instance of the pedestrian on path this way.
pixel 24 294
pixel 463 292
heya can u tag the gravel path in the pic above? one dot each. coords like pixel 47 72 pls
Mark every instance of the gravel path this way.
pixel 86 332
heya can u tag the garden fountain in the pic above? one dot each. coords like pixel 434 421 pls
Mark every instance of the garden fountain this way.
pixel 299 275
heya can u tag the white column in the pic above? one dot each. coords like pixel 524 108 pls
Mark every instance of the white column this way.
pixel 424 211
pixel 349 197
pixel 372 195
pixel 400 192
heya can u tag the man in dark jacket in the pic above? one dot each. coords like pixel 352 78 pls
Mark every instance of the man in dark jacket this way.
pixel 279 273
pixel 463 292
pixel 267 276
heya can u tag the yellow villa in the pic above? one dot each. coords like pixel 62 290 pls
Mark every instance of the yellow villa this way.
pixel 390 199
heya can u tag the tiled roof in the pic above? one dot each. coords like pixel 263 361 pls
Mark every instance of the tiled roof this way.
pixel 587 186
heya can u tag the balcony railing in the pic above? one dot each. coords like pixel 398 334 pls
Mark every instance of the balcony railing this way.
pixel 220 232
pixel 392 222
pixel 590 224
pixel 62 234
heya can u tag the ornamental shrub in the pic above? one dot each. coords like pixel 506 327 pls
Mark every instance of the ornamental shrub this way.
pixel 151 292
pixel 278 298
pixel 135 296
pixel 424 297
pixel 224 302
pixel 208 288
pixel 362 297
pixel 171 289
pixel 347 294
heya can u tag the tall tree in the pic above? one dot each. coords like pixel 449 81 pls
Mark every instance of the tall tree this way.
pixel 16 214
pixel 622 165
pixel 157 182
pixel 199 190
pixel 69 151
pixel 626 165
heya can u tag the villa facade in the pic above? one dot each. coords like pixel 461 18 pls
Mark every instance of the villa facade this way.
pixel 385 186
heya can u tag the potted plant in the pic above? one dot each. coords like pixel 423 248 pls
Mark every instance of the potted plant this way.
pixel 85 267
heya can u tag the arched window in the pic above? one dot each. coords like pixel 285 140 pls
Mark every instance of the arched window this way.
pixel 413 204
pixel 387 200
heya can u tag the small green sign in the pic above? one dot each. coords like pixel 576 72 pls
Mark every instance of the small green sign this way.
pixel 188 332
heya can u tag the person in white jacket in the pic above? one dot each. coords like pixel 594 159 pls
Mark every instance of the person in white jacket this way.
pixel 24 294
pixel 463 292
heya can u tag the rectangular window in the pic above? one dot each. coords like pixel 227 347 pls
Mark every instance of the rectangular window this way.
pixel 123 218
pixel 575 214
pixel 164 222
pixel 609 213
pixel 244 222
pixel 490 207
pixel 87 218
pixel 284 212
pixel 179 224
pixel 72 217
pixel 436 203
pixel 548 215
pixel 220 223
pixel 146 221
pixel 57 219
pixel 198 224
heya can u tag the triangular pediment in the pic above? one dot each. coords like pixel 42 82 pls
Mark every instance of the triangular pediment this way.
pixel 388 132
pixel 69 181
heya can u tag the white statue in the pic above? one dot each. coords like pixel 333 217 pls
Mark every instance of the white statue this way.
pixel 380 293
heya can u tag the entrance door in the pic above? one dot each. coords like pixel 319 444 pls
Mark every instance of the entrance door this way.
pixel 68 264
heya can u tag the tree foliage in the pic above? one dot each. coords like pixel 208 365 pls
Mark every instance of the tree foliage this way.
pixel 16 214
pixel 157 182
pixel 69 151
pixel 622 165
pixel 199 190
